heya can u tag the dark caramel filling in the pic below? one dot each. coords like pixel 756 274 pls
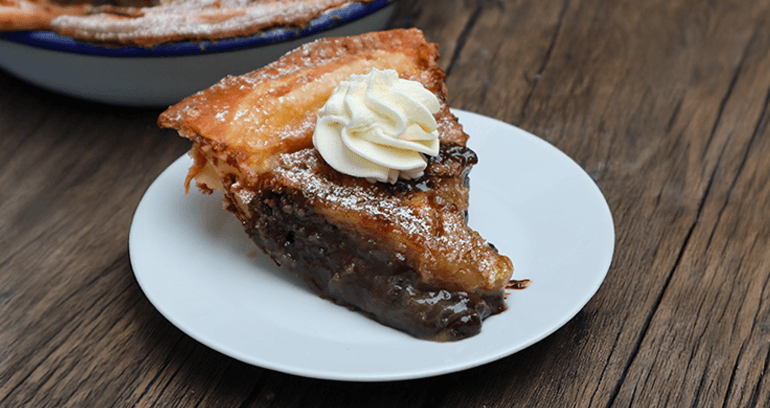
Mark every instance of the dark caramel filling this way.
pixel 360 264
pixel 356 272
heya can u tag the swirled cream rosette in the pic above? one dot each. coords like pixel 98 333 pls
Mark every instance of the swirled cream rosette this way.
pixel 378 126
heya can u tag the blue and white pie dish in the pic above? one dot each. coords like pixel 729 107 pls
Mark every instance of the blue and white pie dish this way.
pixel 163 75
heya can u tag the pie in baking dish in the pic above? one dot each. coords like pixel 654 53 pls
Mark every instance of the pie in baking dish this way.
pixel 399 249
pixel 149 23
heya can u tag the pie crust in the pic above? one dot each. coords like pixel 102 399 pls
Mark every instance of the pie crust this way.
pixel 402 254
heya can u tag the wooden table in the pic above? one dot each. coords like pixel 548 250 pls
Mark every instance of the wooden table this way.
pixel 664 103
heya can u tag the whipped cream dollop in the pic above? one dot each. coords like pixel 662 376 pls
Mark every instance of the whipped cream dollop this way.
pixel 378 126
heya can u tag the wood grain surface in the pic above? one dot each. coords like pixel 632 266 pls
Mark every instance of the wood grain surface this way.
pixel 665 104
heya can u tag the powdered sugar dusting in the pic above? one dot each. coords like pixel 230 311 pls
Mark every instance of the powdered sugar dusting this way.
pixel 398 215
pixel 178 20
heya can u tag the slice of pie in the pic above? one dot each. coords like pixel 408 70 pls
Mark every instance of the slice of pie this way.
pixel 401 253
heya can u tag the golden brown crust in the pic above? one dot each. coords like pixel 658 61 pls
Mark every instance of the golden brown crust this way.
pixel 277 105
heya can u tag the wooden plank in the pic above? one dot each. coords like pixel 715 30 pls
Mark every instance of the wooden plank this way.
pixel 664 103
pixel 708 339
pixel 69 300
pixel 626 96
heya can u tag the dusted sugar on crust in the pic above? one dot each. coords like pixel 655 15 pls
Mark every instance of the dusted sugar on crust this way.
pixel 36 14
pixel 149 23
pixel 401 253
pixel 422 221
pixel 247 120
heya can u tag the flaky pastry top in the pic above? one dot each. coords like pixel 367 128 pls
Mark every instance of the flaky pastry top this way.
pixel 249 119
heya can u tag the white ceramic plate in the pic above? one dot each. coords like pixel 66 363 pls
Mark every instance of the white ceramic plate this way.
pixel 199 269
